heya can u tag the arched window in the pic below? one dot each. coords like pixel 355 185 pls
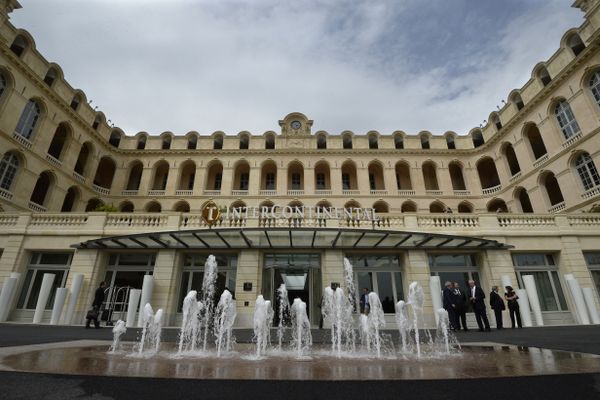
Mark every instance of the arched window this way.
pixel 403 180
pixel 566 119
pixel 76 102
pixel 187 175
pixel 477 139
pixel 347 141
pixel 575 44
pixel 41 189
pixel 96 122
pixel 3 84
pixel 241 176
pixel 218 142
pixel 154 207
pixel 408 206
pixel 456 176
pixel 430 176
pixel 70 199
pixel 425 142
pixel 126 206
pixel 450 142
pixel 192 142
pixel 398 142
pixel 19 45
pixel 115 139
pixel 465 207
pixel 28 120
pixel 437 207
pixel 495 119
pixel 244 142
pixel 595 86
pixel 543 75
pixel 518 101
pixel 270 142
pixel 135 176
pixel 93 204
pixel 9 165
pixel 373 142
pixel 488 174
pixel 511 159
pixel 141 143
pixel 553 191
pixel 586 169
pixel 321 141
pixel 268 176
pixel 50 77
pixel 161 175
pixel 166 142
pixel 522 198
pixel 497 205
pixel 105 172
pixel 82 158
pixel 182 206
pixel 59 141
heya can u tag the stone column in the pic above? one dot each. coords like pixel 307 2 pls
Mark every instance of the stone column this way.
pixel 166 280
pixel 92 264
pixel 417 269
pixel 248 270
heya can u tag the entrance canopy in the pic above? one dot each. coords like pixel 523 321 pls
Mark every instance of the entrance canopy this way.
pixel 291 238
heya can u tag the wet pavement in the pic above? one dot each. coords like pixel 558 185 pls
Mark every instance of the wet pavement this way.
pixel 473 361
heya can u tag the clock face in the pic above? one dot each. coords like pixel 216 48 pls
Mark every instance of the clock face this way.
pixel 296 125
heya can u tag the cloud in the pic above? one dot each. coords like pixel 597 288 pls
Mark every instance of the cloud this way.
pixel 243 65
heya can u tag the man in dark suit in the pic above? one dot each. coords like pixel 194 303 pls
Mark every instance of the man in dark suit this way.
pixel 364 301
pixel 477 297
pixel 94 315
pixel 449 305
pixel 460 300
pixel 497 305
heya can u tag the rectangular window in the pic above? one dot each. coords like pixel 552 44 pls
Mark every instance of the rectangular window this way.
pixel 193 275
pixel 218 179
pixel 270 181
pixel 346 182
pixel 381 274
pixel 244 179
pixel 320 181
pixel 296 181
pixel 40 264
pixel 593 262
pixel 545 274
pixel 372 183
pixel 456 267
pixel 190 185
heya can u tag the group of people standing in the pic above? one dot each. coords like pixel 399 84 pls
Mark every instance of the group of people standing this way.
pixel 456 302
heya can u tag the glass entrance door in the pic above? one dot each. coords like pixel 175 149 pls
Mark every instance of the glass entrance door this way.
pixel 301 275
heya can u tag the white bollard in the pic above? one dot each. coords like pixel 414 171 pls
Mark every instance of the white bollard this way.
pixel 146 296
pixel 47 282
pixel 134 299
pixel 59 304
pixel 534 300
pixel 74 296
pixel 8 288
pixel 436 295
pixel 590 302
pixel 580 309
pixel 524 307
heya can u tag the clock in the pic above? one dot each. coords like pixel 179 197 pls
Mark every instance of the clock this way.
pixel 296 125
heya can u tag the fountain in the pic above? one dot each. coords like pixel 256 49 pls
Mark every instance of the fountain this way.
pixel 338 309
pixel 441 336
pixel 224 319
pixel 151 329
pixel 349 279
pixel 284 310
pixel 375 321
pixel 208 294
pixel 263 318
pixel 403 324
pixel 118 330
pixel 301 336
pixel 416 298
pixel 189 322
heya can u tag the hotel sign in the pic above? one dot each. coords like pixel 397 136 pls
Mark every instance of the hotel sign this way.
pixel 211 213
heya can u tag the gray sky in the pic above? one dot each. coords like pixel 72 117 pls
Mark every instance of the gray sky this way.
pixel 410 65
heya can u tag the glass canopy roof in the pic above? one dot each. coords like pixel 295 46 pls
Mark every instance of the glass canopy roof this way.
pixel 290 238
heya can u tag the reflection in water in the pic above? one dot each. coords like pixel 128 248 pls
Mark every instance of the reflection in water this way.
pixel 474 361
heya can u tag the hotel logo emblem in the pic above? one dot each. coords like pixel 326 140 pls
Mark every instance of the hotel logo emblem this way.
pixel 210 213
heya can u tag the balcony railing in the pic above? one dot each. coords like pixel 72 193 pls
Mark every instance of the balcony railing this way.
pixel 492 190
pixel 557 207
pixel 571 140
pixel 268 192
pixel 528 221
pixel 515 176
pixel 212 192
pixel 184 192
pixel 129 192
pixel 78 177
pixel 100 189
pixel 54 161
pixel 239 192
pixel 5 194
pixel 156 192
pixel 434 192
pixel 405 192
pixel 24 142
pixel 351 192
pixel 295 192
pixel 36 207
pixel 540 160
pixel 462 192
pixel 323 192
pixel 593 192
pixel 379 192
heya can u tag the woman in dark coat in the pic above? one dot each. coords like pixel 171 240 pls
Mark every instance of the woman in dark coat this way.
pixel 513 306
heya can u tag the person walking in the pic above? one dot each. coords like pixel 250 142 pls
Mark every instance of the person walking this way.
pixel 449 305
pixel 497 305
pixel 513 306
pixel 461 306
pixel 364 301
pixel 94 313
pixel 477 299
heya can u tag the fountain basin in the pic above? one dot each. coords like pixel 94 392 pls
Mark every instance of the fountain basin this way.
pixel 475 361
